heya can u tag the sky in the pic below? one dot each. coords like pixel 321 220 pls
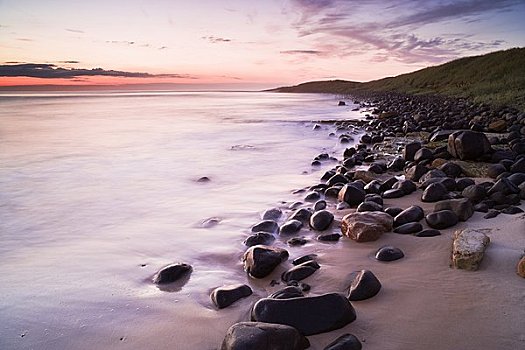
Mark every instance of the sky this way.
pixel 244 43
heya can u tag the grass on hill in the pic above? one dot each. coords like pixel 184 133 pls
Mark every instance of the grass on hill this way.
pixel 496 78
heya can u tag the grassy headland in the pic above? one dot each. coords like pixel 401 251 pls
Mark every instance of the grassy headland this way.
pixel 496 78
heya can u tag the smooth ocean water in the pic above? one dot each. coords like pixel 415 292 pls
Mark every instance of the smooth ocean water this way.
pixel 98 191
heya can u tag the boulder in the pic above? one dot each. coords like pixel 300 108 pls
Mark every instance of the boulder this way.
pixel 302 215
pixel 309 315
pixel 259 238
pixel 476 193
pixel 227 295
pixel 427 233
pixel 413 213
pixel 290 227
pixel 345 342
pixel 263 336
pixel 300 272
pixel 441 219
pixel 462 207
pixel 266 226
pixel 468 249
pixel 468 144
pixel 408 228
pixel 352 195
pixel 389 253
pixel 172 273
pixel 260 260
pixel 321 220
pixel 272 214
pixel 434 192
pixel 365 285
pixel 415 172
pixel 287 293
pixel 366 226
pixel 406 186
pixel 410 150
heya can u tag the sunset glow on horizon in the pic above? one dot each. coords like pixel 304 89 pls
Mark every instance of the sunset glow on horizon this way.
pixel 244 43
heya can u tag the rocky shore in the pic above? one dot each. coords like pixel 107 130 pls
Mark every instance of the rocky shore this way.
pixel 422 167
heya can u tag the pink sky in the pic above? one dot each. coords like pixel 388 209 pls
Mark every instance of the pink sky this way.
pixel 244 43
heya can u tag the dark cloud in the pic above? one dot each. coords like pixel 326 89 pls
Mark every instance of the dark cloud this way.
pixel 51 71
pixel 78 31
pixel 302 52
pixel 72 62
pixel 122 42
pixel 395 33
pixel 163 48
pixel 24 39
pixel 215 39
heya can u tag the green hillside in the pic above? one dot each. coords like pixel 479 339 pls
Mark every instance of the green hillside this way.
pixel 496 78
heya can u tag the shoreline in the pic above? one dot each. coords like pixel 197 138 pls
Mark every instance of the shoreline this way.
pixel 502 250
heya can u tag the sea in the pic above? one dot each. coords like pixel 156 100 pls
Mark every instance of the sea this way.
pixel 99 190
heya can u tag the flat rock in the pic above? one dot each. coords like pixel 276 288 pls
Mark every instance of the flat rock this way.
pixel 263 336
pixel 366 226
pixel 309 315
pixel 389 253
pixel 172 273
pixel 345 342
pixel 260 260
pixel 468 248
pixel 227 295
pixel 365 285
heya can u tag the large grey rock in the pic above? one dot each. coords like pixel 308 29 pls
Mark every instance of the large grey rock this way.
pixel 260 260
pixel 309 315
pixel 366 226
pixel 468 144
pixel 468 248
pixel 263 336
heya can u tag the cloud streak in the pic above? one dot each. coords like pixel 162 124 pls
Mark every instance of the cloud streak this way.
pixel 51 71
pixel 301 52
pixel 398 33
pixel 216 40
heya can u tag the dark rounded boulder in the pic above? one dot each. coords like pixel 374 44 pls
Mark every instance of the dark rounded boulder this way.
pixel 304 258
pixel 427 233
pixel 290 227
pixel 345 342
pixel 227 295
pixel 369 206
pixel 476 193
pixel 413 213
pixel 302 215
pixel 393 211
pixel 463 183
pixel 468 145
pixel 394 193
pixel 442 219
pixel 312 196
pixel 423 154
pixel 266 226
pixel 329 237
pixel 263 336
pixel 408 228
pixel 451 169
pixel 309 315
pixel 410 150
pixel 320 205
pixel 406 186
pixel 272 214
pixel 434 192
pixel 365 285
pixel 321 220
pixel 389 253
pixel 300 272
pixel 287 293
pixel 259 238
pixel 352 194
pixel 297 241
pixel 260 260
pixel 172 273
